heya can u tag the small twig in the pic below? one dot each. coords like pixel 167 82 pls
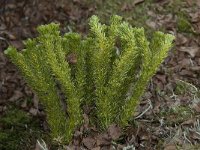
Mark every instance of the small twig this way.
pixel 70 29
pixel 173 95
pixel 197 133
pixel 2 4
pixel 150 107
pixel 130 147
pixel 196 124
pixel 184 134
pixel 161 121
pixel 192 64
pixel 42 145
pixel 3 39
pixel 188 84
pixel 117 51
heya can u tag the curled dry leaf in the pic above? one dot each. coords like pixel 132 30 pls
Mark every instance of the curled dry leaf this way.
pixel 136 2
pixel 187 73
pixel 190 50
pixel 162 78
pixel 189 122
pixel 33 111
pixel 181 39
pixel 17 44
pixel 195 17
pixel 184 63
pixel 103 139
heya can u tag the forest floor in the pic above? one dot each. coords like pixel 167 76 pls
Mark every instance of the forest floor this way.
pixel 168 116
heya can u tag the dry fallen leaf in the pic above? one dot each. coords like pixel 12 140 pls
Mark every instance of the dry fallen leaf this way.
pixel 151 24
pixel 198 2
pixel 103 139
pixel 196 107
pixel 97 148
pixel 2 108
pixel 195 17
pixel 33 111
pixel 190 2
pixel 195 68
pixel 184 63
pixel 37 147
pixel 17 44
pixel 10 35
pixel 114 131
pixel 162 78
pixel 86 120
pixel 194 135
pixel 89 142
pixel 188 122
pixel 24 104
pixel 17 95
pixel 126 7
pixel 136 2
pixel 181 39
pixel 187 73
pixel 190 50
pixel 72 58
pixel 35 101
pixel 170 147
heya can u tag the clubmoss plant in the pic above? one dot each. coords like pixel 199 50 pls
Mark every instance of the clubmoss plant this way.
pixel 108 69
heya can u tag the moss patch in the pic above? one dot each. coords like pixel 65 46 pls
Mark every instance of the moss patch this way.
pixel 176 115
pixel 183 24
pixel 18 130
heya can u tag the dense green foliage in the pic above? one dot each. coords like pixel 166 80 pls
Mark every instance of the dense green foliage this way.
pixel 108 69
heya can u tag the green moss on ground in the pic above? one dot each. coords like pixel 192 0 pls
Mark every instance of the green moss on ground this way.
pixel 18 130
pixel 176 115
pixel 136 15
pixel 183 24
